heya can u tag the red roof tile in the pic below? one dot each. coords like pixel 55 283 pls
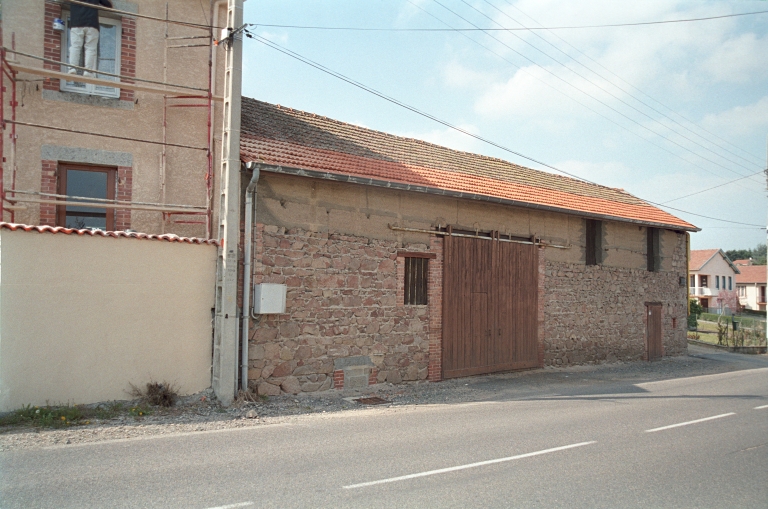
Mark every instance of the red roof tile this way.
pixel 751 274
pixel 101 233
pixel 284 137
pixel 699 257
pixel 742 262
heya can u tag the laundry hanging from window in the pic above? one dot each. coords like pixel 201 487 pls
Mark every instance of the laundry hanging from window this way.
pixel 84 35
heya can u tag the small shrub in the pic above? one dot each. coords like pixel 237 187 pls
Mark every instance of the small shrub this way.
pixel 44 417
pixel 693 335
pixel 156 394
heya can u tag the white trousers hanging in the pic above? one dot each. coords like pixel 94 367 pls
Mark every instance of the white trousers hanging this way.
pixel 80 37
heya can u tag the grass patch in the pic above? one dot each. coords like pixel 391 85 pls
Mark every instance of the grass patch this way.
pixel 64 416
pixel 744 321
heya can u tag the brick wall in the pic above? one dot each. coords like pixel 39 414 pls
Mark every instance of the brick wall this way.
pixel 51 43
pixel 48 184
pixel 128 56
pixel 124 191
pixel 597 314
pixel 342 302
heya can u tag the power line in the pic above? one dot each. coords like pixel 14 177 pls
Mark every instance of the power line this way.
pixel 600 101
pixel 715 187
pixel 618 87
pixel 634 87
pixel 366 29
pixel 370 90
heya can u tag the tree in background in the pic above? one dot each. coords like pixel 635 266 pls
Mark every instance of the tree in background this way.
pixel 695 313
pixel 730 300
pixel 758 254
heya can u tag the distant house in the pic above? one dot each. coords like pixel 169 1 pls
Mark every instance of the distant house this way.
pixel 711 272
pixel 750 284
pixel 740 263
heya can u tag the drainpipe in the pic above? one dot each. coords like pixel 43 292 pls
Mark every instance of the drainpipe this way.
pixel 250 202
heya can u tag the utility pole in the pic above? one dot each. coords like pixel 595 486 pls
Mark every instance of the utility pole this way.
pixel 225 337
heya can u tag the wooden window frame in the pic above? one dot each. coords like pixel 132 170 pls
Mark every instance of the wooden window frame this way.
pixel 415 281
pixel 594 241
pixel 653 249
pixel 61 210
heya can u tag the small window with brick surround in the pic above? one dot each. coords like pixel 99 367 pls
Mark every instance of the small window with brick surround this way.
pixel 80 182
pixel 416 275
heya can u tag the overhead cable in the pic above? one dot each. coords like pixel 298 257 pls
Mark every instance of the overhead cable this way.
pixel 620 126
pixel 381 95
pixel 621 89
pixel 366 29
pixel 585 55
pixel 590 95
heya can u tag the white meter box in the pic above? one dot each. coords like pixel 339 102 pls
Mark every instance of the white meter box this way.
pixel 269 299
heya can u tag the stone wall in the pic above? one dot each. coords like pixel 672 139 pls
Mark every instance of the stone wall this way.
pixel 596 314
pixel 343 326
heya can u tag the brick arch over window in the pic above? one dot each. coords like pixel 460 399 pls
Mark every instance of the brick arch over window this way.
pixel 52 41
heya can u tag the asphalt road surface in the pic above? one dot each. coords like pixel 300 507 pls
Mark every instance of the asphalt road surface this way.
pixel 683 442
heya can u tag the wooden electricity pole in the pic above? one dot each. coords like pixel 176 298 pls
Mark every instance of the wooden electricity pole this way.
pixel 225 338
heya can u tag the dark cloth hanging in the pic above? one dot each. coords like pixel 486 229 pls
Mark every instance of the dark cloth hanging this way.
pixel 82 16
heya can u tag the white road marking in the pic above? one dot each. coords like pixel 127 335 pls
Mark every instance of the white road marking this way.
pixel 689 422
pixel 464 467
pixel 232 506
pixel 760 407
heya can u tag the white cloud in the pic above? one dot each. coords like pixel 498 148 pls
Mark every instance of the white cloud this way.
pixel 737 59
pixel 741 120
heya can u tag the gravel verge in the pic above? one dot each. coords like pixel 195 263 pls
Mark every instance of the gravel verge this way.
pixel 202 413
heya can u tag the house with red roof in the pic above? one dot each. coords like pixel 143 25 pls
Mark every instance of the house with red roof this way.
pixel 402 260
pixel 750 283
pixel 711 273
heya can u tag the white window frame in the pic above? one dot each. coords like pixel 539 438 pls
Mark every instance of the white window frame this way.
pixel 90 89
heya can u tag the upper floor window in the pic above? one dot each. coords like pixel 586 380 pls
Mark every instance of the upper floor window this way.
pixel 108 59
pixel 730 283
pixel 594 234
pixel 693 280
pixel 703 281
pixel 717 282
pixel 653 250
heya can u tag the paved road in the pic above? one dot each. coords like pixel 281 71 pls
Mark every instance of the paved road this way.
pixel 686 442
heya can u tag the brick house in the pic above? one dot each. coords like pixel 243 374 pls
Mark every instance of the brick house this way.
pixel 404 260
pixel 137 134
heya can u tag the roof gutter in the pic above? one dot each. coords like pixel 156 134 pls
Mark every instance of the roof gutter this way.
pixel 250 199
pixel 335 177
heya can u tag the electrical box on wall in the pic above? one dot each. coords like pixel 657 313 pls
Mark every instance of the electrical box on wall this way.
pixel 269 299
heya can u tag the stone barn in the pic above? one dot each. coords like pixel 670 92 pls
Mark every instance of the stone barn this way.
pixel 404 261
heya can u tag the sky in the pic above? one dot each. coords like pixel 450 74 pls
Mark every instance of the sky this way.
pixel 662 111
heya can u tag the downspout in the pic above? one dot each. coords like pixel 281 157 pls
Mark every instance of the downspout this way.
pixel 250 201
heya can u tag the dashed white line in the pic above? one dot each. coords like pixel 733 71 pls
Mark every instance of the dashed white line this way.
pixel 232 506
pixel 689 422
pixel 760 407
pixel 464 467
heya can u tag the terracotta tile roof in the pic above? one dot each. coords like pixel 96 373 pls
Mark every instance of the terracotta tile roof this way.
pixel 751 274
pixel 169 237
pixel 280 136
pixel 699 257
pixel 742 262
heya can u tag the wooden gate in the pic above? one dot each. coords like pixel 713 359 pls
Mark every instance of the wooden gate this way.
pixel 490 293
pixel 653 331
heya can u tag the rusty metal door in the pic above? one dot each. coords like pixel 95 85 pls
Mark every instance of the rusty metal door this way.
pixel 653 331
pixel 489 306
